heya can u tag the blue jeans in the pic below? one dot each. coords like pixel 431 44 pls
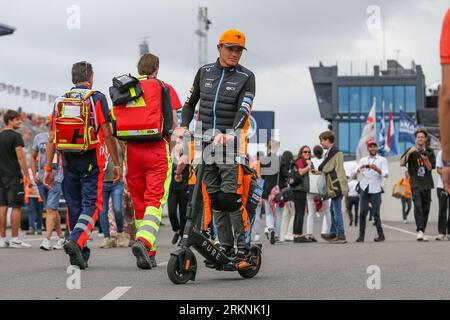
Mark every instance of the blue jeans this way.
pixel 35 209
pixel 337 225
pixel 116 193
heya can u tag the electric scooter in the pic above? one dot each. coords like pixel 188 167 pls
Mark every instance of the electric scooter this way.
pixel 182 266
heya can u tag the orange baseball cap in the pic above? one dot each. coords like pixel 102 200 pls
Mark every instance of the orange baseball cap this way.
pixel 233 37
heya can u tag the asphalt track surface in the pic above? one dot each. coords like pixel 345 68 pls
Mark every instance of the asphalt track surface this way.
pixel 408 270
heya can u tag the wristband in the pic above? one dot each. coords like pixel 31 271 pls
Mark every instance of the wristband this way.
pixel 446 163
pixel 48 169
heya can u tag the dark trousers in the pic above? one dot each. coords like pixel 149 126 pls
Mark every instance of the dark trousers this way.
pixel 375 200
pixel 35 209
pixel 422 202
pixel 300 206
pixel 406 207
pixel 83 191
pixel 178 202
pixel 444 221
pixel 353 202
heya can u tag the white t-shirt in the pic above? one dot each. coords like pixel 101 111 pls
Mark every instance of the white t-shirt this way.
pixel 439 164
pixel 313 178
pixel 352 188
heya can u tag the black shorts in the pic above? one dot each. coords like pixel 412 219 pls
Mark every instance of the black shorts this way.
pixel 12 192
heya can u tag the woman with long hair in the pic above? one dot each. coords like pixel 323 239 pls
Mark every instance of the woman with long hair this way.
pixel 301 168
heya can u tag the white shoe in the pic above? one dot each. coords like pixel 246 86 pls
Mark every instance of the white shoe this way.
pixel 425 238
pixel 257 237
pixel 405 221
pixel 46 245
pixel 19 244
pixel 4 243
pixel 59 244
pixel 440 237
pixel 420 236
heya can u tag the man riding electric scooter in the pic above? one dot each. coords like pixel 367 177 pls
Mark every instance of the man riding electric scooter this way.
pixel 226 91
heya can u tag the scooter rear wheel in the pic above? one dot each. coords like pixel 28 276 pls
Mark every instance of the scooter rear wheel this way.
pixel 174 273
pixel 250 273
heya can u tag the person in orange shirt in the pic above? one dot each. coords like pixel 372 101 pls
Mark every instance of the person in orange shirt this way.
pixel 406 201
pixel 444 101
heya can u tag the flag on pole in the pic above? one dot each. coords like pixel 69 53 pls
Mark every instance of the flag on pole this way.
pixel 382 140
pixel 407 128
pixel 391 143
pixel 369 132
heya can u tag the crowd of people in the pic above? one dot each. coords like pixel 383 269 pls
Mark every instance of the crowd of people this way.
pixel 121 182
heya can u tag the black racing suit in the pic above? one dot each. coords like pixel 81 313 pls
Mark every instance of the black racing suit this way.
pixel 226 98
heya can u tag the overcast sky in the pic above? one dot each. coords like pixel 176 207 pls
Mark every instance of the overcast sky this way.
pixel 284 38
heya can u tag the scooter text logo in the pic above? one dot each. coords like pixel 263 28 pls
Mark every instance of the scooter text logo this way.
pixel 210 248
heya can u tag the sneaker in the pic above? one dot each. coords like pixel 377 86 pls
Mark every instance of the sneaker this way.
pixel 39 232
pixel 339 240
pixel 405 221
pixel 360 239
pixel 59 244
pixel 108 243
pixel 120 240
pixel 19 244
pixel 272 236
pixel 266 232
pixel 302 239
pixel 425 238
pixel 30 232
pixel 419 236
pixel 327 236
pixel 175 238
pixel 4 243
pixel 379 238
pixel 311 237
pixel 140 251
pixel 289 239
pixel 440 237
pixel 74 252
pixel 257 237
pixel 46 245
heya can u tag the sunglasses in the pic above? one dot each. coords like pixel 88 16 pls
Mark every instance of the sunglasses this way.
pixel 306 151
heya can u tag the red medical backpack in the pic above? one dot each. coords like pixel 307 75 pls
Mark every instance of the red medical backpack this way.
pixel 146 119
pixel 74 128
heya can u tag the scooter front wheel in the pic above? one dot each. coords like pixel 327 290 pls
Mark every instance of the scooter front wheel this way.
pixel 175 272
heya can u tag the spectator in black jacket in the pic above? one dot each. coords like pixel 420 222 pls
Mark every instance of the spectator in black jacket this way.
pixel 287 222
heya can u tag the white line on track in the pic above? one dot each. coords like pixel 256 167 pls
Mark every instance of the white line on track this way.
pixel 399 229
pixel 405 231
pixel 116 293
